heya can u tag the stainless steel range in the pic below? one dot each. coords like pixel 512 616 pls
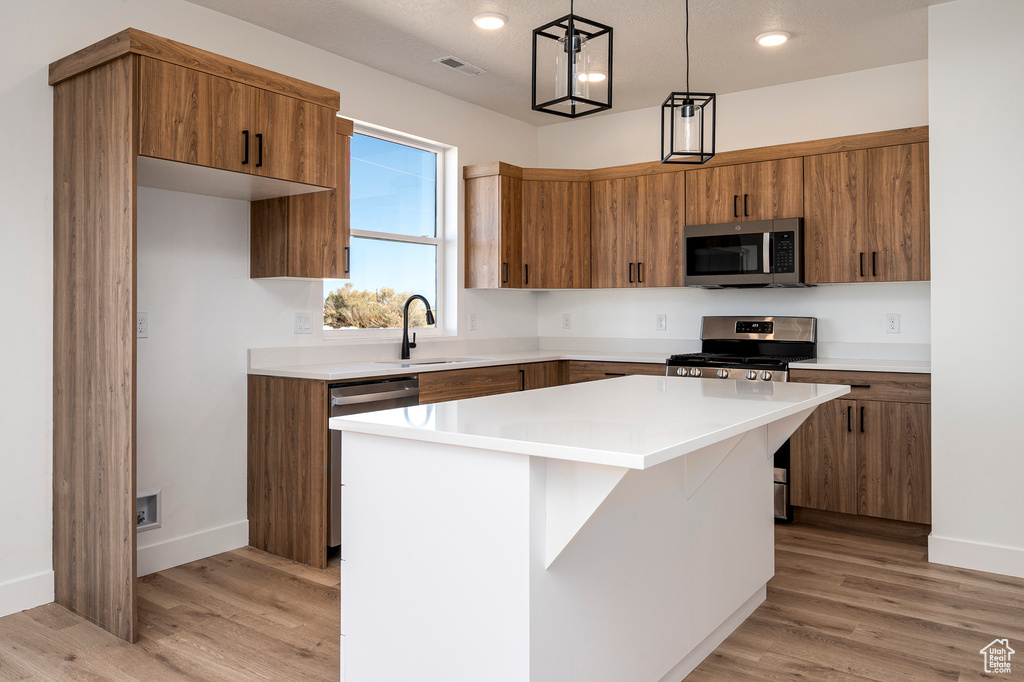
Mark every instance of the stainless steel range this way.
pixel 748 348
pixel 752 350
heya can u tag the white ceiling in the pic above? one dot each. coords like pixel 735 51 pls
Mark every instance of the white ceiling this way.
pixel 403 37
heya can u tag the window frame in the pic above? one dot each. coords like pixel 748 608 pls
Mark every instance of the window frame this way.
pixel 440 152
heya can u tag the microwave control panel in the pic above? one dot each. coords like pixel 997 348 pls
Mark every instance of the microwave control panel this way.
pixel 784 252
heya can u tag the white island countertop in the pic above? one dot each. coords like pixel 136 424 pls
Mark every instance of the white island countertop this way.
pixel 634 422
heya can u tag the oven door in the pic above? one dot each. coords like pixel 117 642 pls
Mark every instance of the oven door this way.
pixel 728 255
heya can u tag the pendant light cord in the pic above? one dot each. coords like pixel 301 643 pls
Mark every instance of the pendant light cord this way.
pixel 687 47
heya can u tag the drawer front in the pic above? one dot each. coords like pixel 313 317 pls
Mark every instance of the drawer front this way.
pixel 587 370
pixel 456 384
pixel 886 386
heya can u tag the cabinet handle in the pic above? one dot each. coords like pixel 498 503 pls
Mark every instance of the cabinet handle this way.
pixel 245 142
pixel 874 268
pixel 630 273
pixel 861 263
pixel 849 419
pixel 504 279
pixel 746 212
pixel 522 380
pixel 615 374
pixel 259 149
pixel 735 206
pixel 348 259
pixel 526 274
pixel 862 419
pixel 639 273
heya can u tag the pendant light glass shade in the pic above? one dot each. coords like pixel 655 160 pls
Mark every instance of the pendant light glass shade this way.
pixel 572 67
pixel 688 120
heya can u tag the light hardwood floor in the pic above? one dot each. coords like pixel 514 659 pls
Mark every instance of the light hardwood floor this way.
pixel 842 606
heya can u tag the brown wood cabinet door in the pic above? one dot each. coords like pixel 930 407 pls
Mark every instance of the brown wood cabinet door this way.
pixel 494 232
pixel 894 460
pixel 898 187
pixel 556 234
pixel 613 232
pixel 823 459
pixel 591 370
pixel 541 374
pixel 456 384
pixel 660 230
pixel 837 236
pixel 338 253
pixel 714 195
pixel 294 140
pixel 192 117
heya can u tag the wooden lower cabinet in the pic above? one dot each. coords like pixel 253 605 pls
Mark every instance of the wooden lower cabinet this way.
pixel 542 374
pixel 590 370
pixel 456 384
pixel 869 456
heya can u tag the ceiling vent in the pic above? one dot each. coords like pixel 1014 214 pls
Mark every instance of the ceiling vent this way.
pixel 459 65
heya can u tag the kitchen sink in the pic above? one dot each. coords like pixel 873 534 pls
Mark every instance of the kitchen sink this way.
pixel 435 361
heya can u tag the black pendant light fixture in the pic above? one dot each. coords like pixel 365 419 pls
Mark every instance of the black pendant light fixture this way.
pixel 688 120
pixel 572 66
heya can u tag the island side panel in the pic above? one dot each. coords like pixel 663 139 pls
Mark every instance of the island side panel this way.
pixel 435 551
pixel 654 572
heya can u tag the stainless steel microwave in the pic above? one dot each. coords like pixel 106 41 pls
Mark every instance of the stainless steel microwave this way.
pixel 761 253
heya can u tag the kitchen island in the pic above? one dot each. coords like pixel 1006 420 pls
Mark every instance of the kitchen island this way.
pixel 614 530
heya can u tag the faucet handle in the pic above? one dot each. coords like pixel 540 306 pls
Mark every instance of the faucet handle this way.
pixel 412 344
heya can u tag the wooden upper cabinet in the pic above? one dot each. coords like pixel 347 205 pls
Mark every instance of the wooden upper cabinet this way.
pixel 615 221
pixel 753 191
pixel 305 235
pixel 191 116
pixel 556 234
pixel 293 140
pixel 637 231
pixel 494 232
pixel 866 215
pixel 898 210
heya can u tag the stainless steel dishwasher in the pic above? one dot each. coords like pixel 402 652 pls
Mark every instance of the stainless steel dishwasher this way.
pixel 353 397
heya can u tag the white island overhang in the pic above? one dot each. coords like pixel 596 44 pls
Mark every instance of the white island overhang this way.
pixel 613 530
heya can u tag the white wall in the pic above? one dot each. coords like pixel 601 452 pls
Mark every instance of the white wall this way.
pixel 977 234
pixel 192 272
pixel 814 109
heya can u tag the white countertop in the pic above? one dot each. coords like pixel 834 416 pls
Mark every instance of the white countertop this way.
pixel 341 371
pixel 862 365
pixel 634 422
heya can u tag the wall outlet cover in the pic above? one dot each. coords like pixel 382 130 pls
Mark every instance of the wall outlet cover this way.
pixel 566 321
pixel 660 322
pixel 472 322
pixel 892 323
pixel 142 325
pixel 303 323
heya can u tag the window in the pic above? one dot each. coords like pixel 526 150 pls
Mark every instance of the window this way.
pixel 397 235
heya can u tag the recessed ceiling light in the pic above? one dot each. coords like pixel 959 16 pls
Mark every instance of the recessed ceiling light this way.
pixel 490 20
pixel 773 38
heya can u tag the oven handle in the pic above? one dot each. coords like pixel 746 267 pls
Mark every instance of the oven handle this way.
pixel 766 258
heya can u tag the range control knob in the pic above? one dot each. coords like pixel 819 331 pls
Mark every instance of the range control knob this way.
pixel 695 371
pixel 751 374
pixel 766 376
pixel 681 371
pixel 723 374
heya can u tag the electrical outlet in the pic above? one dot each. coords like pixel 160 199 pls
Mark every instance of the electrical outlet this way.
pixel 303 323
pixel 892 323
pixel 472 322
pixel 148 506
pixel 566 321
pixel 142 325
pixel 660 322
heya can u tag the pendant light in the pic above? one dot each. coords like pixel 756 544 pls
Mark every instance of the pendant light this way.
pixel 688 120
pixel 572 66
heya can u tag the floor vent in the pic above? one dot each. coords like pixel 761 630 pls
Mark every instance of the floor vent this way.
pixel 459 65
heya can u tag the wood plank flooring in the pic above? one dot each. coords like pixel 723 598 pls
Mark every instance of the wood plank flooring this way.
pixel 842 606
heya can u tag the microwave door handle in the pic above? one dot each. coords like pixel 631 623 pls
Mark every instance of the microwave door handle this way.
pixel 765 254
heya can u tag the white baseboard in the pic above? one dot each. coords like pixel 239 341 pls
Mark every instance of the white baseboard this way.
pixel 978 556
pixel 199 545
pixel 26 593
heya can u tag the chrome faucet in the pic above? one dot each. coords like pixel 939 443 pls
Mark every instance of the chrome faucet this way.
pixel 406 343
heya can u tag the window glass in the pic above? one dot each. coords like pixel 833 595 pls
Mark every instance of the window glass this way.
pixel 396 237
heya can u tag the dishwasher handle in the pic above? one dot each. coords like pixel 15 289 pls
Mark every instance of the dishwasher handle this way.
pixel 337 401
